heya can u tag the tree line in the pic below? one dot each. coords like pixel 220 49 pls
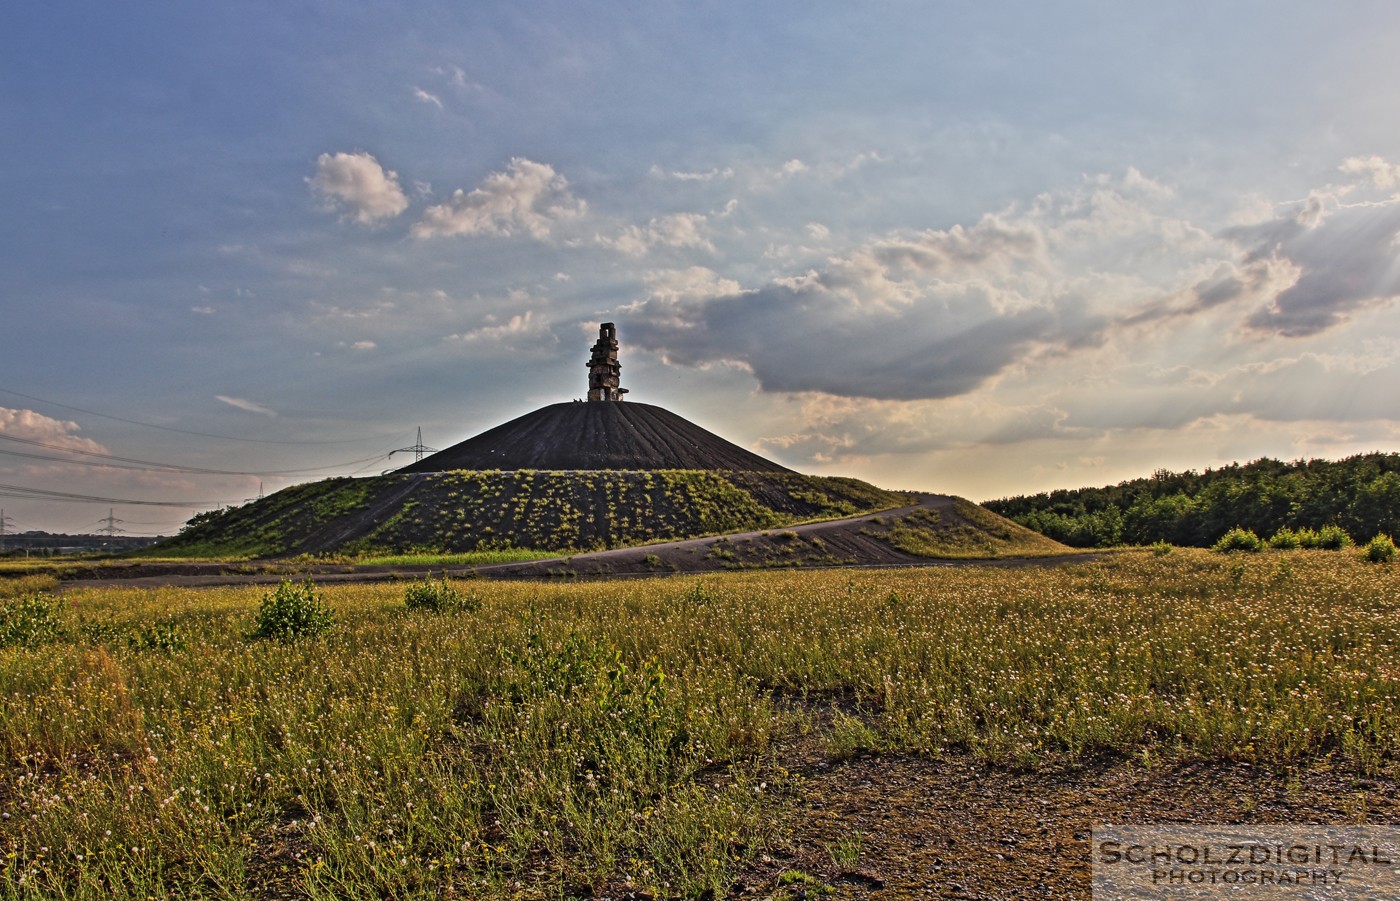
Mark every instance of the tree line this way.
pixel 1361 494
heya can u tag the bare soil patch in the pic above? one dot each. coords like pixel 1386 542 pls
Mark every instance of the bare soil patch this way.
pixel 954 826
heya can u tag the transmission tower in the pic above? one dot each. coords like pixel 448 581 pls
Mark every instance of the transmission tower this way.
pixel 109 524
pixel 418 450
pixel 5 523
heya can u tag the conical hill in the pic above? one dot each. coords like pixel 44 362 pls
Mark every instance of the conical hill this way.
pixel 597 435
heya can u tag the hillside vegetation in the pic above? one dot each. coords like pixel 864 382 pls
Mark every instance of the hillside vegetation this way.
pixel 1361 494
pixel 542 510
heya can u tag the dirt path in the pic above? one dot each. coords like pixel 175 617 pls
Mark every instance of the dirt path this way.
pixel 891 827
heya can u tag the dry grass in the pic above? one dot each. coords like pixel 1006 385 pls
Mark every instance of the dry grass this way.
pixel 607 735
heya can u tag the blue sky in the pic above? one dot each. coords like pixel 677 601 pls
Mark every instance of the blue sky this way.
pixel 964 247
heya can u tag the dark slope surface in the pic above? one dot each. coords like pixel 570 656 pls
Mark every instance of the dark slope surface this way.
pixel 599 435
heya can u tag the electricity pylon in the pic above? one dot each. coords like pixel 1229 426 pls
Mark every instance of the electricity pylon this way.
pixel 417 450
pixel 109 524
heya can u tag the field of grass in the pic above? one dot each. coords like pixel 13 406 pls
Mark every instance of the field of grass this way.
pixel 558 738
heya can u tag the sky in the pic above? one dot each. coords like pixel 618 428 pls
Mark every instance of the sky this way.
pixel 974 248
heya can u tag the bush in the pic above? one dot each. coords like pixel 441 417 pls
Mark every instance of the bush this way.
pixel 1285 539
pixel 1332 538
pixel 292 612
pixel 438 597
pixel 1238 539
pixel 1161 548
pixel 1381 549
pixel 30 620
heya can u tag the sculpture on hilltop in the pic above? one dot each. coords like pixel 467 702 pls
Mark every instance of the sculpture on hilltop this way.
pixel 604 371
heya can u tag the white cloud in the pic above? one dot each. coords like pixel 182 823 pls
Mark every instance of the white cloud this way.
pixel 680 230
pixel 715 174
pixel 33 426
pixel 425 97
pixel 203 311
pixel 363 345
pixel 1381 173
pixel 356 182
pixel 523 333
pixel 528 197
pixel 248 405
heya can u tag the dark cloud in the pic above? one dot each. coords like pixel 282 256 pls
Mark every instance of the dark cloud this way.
pixel 809 337
pixel 1348 257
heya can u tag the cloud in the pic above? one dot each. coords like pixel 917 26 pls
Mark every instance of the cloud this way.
pixel 708 175
pixel 33 426
pixel 1346 257
pixel 356 182
pixel 944 313
pixel 1381 173
pixel 425 97
pixel 203 311
pixel 248 405
pixel 680 230
pixel 528 197
pixel 933 314
pixel 523 333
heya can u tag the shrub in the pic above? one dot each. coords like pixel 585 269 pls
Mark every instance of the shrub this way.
pixel 1332 538
pixel 439 597
pixel 292 612
pixel 159 636
pixel 1285 539
pixel 1381 549
pixel 1238 539
pixel 30 620
pixel 1161 548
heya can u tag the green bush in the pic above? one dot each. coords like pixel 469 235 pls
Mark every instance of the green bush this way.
pixel 1332 538
pixel 159 636
pixel 31 620
pixel 1381 549
pixel 1161 548
pixel 1238 539
pixel 292 612
pixel 439 597
pixel 1285 539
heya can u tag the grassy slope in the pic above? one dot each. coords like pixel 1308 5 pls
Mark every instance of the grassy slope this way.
pixel 967 531
pixel 465 511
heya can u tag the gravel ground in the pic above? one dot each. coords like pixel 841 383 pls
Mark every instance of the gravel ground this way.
pixel 886 827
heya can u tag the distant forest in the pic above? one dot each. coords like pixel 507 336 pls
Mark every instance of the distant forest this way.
pixel 1361 494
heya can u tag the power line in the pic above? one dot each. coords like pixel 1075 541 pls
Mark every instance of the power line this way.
pixel 151 466
pixel 42 494
pixel 166 428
